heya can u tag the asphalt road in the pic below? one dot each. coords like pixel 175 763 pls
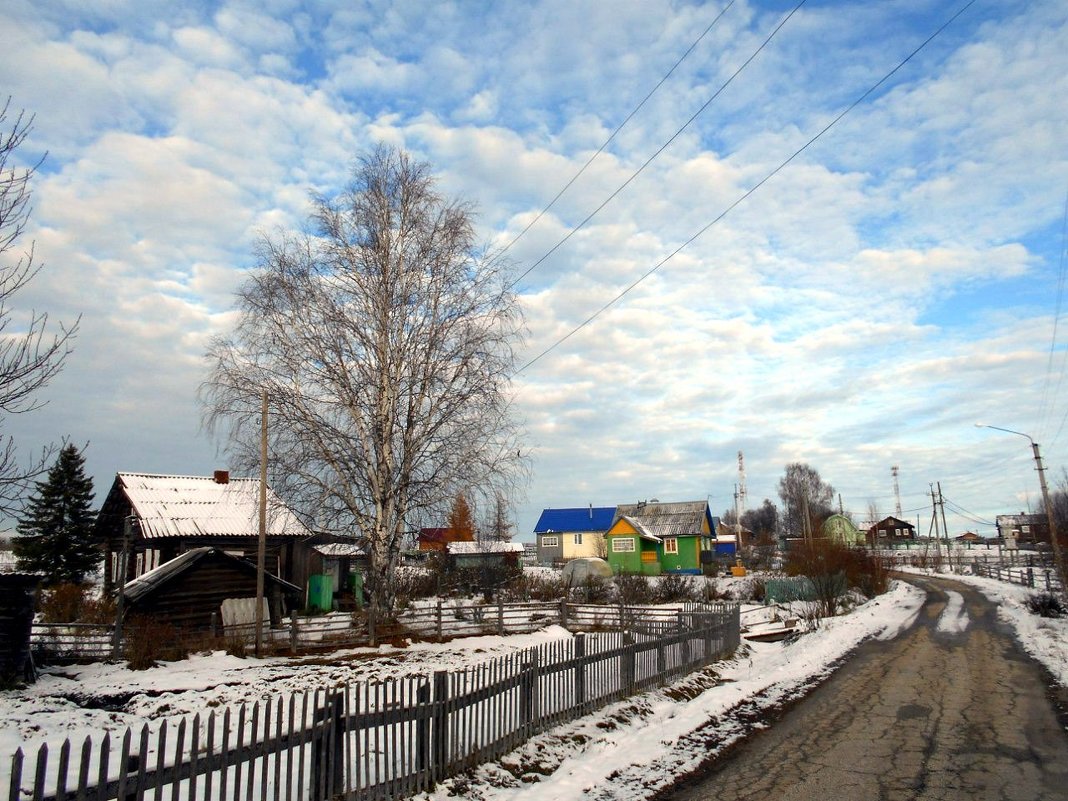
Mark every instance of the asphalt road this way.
pixel 950 709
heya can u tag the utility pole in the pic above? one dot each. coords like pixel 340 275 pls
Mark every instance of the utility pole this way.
pixel 261 550
pixel 934 523
pixel 897 492
pixel 123 561
pixel 945 528
pixel 1058 558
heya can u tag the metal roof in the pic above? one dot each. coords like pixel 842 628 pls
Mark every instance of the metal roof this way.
pixel 659 520
pixel 583 518
pixel 197 506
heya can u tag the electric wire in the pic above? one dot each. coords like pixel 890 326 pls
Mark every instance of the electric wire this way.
pixel 871 90
pixel 1050 409
pixel 967 515
pixel 659 150
pixel 612 136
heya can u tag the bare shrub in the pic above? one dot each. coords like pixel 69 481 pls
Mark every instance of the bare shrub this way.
pixel 149 641
pixel 76 603
pixel 674 588
pixel 63 603
pixel 536 586
pixel 633 589
pixel 416 582
pixel 834 569
pixel 1046 604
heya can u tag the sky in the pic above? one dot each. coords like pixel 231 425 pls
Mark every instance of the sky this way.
pixel 862 307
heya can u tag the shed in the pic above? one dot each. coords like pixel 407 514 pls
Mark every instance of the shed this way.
pixel 16 620
pixel 189 591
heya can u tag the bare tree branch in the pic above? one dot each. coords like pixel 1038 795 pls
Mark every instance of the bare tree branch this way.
pixel 31 352
pixel 385 342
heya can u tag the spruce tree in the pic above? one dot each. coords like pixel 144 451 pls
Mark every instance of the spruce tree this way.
pixel 56 531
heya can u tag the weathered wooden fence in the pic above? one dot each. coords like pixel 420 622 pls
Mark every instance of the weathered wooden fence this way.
pixel 1039 578
pixel 383 739
pixel 442 620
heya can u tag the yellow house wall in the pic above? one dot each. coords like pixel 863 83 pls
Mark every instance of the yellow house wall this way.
pixel 592 545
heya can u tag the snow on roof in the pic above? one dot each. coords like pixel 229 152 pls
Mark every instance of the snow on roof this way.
pixel 185 506
pixel 486 546
pixel 336 549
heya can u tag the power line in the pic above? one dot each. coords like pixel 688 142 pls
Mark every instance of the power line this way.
pixel 1056 319
pixel 747 194
pixel 661 149
pixel 608 141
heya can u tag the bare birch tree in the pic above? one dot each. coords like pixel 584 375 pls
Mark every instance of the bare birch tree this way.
pixel 385 342
pixel 31 351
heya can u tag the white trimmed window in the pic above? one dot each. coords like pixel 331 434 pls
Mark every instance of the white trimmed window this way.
pixel 550 542
pixel 578 538
pixel 671 545
pixel 623 545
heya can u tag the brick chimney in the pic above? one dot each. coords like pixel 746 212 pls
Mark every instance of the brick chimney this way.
pixel 222 476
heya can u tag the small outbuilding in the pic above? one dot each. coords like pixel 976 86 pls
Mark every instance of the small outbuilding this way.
pixel 205 588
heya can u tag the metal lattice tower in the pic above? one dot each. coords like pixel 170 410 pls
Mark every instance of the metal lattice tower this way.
pixel 897 493
pixel 742 499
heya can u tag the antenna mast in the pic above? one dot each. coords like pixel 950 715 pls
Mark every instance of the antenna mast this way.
pixel 897 493
pixel 742 495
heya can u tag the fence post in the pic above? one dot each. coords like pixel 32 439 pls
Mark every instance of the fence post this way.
pixel 338 724
pixel 563 613
pixel 422 731
pixel 500 617
pixel 439 730
pixel 440 630
pixel 684 640
pixel 529 703
pixel 293 632
pixel 1031 577
pixel 1048 587
pixel 580 670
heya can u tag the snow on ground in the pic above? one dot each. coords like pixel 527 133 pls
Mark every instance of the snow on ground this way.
pixel 628 750
pixel 1046 639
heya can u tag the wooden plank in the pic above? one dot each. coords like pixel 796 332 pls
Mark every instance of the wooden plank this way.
pixel 82 791
pixel 209 757
pixel 15 783
pixel 179 754
pixel 142 765
pixel 224 757
pixel 239 746
pixel 102 768
pixel 194 758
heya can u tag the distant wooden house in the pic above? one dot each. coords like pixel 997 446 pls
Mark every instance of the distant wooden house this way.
pixel 170 515
pixel 206 587
pixel 654 538
pixel 840 529
pixel 891 530
pixel 1023 527
pixel 565 534
pixel 968 537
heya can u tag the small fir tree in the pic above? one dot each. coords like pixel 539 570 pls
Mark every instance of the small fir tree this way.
pixel 56 532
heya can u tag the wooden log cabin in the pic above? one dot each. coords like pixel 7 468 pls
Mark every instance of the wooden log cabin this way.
pixel 166 516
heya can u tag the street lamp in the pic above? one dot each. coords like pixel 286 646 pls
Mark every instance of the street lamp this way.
pixel 1057 558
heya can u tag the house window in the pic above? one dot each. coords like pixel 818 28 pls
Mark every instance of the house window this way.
pixel 578 539
pixel 623 545
pixel 550 542
pixel 671 545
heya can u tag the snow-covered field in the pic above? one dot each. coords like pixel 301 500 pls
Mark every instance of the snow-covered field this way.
pixel 628 750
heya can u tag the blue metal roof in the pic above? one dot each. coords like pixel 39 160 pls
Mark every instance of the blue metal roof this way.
pixel 584 518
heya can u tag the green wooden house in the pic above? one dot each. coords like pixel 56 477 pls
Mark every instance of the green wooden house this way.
pixel 654 538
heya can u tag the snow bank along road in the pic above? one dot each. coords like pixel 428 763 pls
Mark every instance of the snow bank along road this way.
pixel 951 709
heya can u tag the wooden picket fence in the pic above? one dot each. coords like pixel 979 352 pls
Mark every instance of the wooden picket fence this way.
pixel 380 740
